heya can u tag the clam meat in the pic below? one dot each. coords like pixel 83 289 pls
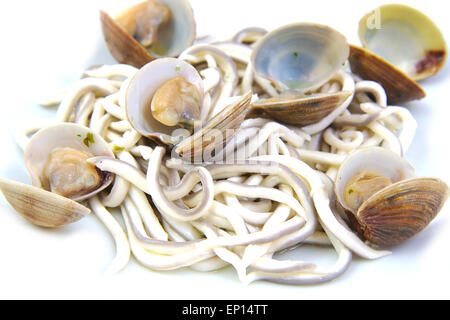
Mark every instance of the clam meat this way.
pixel 164 102
pixel 56 158
pixel 149 30
pixel 143 20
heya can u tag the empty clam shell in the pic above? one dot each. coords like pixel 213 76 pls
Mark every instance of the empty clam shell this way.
pixel 399 87
pixel 300 56
pixel 406 38
pixel 173 36
pixel 55 158
pixel 40 207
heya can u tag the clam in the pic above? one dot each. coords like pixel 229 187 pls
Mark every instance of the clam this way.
pixel 40 207
pixel 401 45
pixel 406 38
pixel 55 158
pixel 156 85
pixel 164 102
pixel 298 59
pixel 149 30
pixel 386 203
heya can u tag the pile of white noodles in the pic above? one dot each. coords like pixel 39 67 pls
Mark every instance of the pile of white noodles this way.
pixel 207 216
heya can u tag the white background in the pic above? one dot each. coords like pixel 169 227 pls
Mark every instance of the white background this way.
pixel 46 44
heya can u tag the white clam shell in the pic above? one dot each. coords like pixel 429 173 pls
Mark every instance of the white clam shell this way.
pixel 142 88
pixel 300 56
pixel 180 32
pixel 64 135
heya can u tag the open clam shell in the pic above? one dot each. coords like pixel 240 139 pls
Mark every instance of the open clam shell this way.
pixel 172 37
pixel 405 37
pixel 142 88
pixel 385 203
pixel 56 155
pixel 141 94
pixel 399 86
pixel 300 111
pixel 377 160
pixel 40 207
pixel 300 56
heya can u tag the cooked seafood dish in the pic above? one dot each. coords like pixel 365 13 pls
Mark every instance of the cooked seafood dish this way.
pixel 229 152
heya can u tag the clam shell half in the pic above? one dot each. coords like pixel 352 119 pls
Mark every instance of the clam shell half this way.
pixel 300 56
pixel 399 86
pixel 301 111
pixel 40 207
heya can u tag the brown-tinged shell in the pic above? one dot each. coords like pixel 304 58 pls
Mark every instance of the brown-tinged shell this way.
pixel 387 212
pixel 399 87
pixel 41 207
pixel 124 48
pixel 400 211
pixel 216 132
pixel 301 111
